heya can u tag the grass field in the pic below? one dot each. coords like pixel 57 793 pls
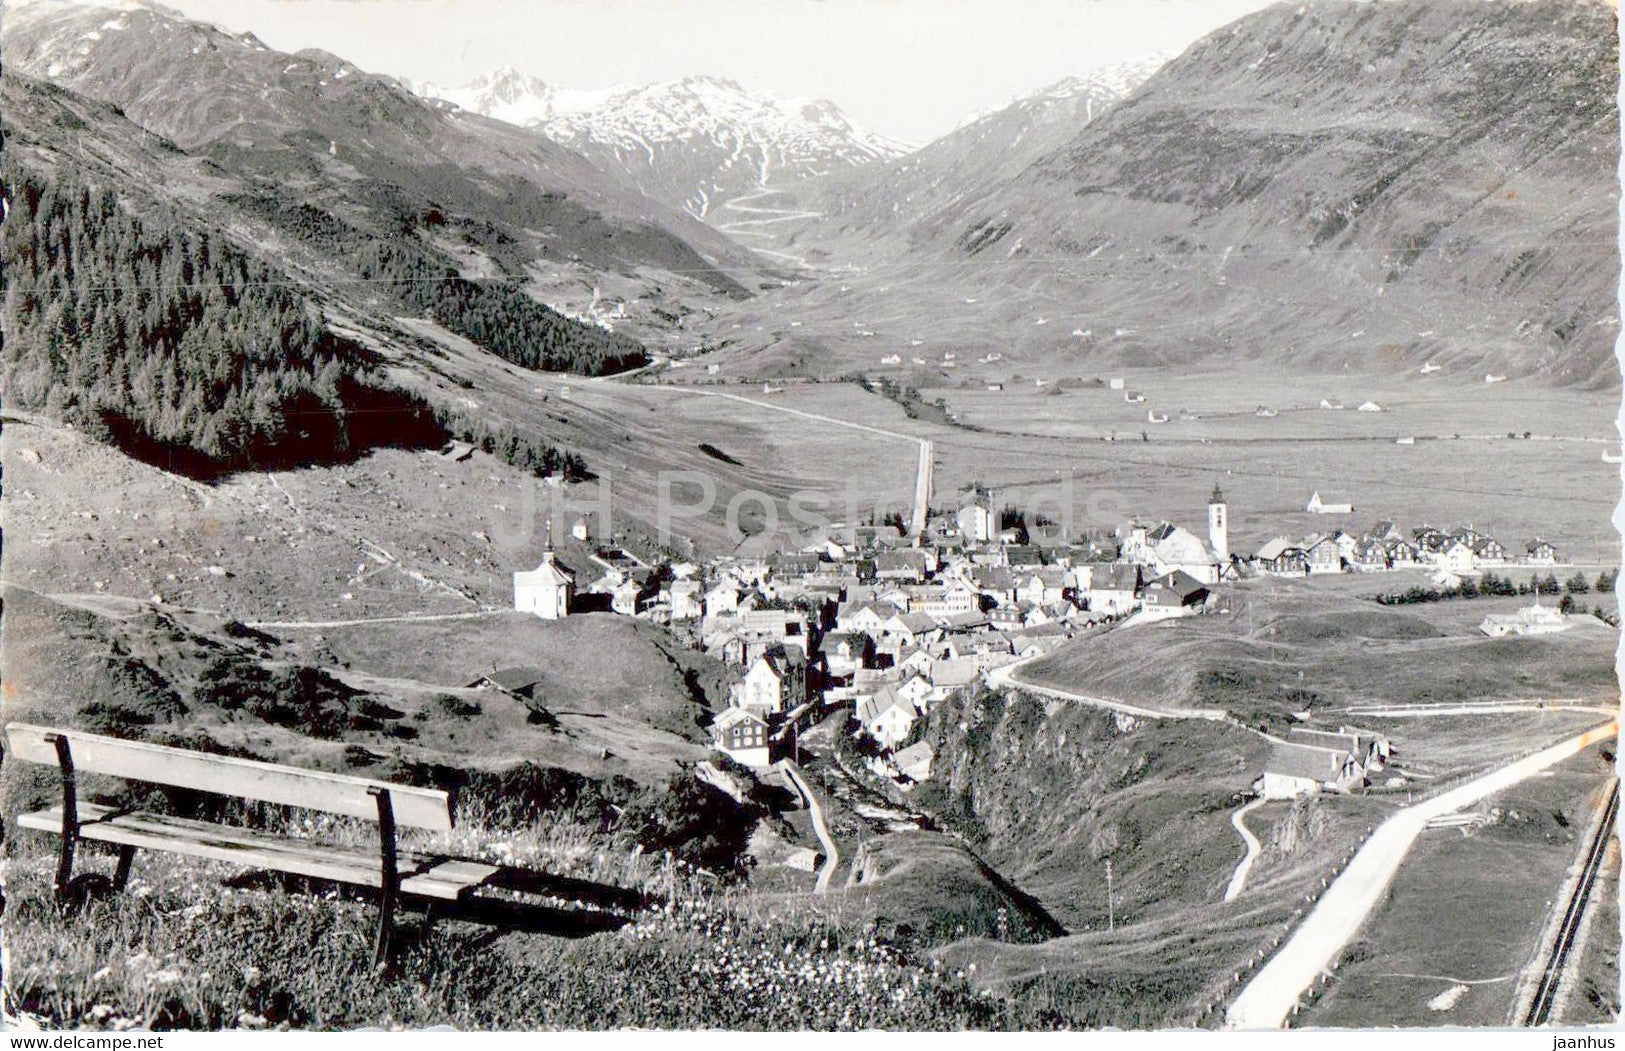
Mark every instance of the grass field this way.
pixel 1465 912
pixel 1290 645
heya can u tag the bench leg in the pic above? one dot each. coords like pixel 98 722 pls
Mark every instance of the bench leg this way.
pixel 121 875
pixel 386 925
pixel 64 863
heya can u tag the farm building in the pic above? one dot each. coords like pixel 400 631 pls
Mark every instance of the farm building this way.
pixel 1305 769
pixel 1318 506
pixel 1176 594
pixel 1531 620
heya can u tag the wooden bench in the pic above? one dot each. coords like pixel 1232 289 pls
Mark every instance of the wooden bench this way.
pixel 391 806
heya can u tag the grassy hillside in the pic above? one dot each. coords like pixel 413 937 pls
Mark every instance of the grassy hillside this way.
pixel 1288 646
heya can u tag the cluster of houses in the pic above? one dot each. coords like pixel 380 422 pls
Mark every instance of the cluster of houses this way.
pixel 1453 556
pixel 887 626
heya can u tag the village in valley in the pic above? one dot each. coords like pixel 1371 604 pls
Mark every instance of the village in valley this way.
pixel 866 629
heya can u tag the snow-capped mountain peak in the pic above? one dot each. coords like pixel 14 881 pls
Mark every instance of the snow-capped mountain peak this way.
pixel 692 142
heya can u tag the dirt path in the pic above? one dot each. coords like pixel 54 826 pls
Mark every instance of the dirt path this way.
pixel 815 810
pixel 1268 1000
pixel 405 618
pixel 1006 676
pixel 1238 880
pixel 922 476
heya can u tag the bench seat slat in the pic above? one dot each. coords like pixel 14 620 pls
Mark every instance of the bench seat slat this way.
pixel 425 808
pixel 427 875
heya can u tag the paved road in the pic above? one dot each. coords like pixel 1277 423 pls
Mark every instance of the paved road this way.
pixel 1267 1000
pixel 1238 879
pixel 815 810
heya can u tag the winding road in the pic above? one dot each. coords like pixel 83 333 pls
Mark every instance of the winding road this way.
pixel 1268 1000
pixel 1238 880
pixel 999 678
pixel 815 810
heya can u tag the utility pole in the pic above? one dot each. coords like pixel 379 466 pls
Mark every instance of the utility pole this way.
pixel 1111 921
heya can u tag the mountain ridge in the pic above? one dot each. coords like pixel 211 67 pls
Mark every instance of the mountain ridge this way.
pixel 692 142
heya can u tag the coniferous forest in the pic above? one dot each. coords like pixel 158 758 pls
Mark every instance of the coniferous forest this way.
pixel 497 315
pixel 188 353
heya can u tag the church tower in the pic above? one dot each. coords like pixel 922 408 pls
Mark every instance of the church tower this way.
pixel 1218 525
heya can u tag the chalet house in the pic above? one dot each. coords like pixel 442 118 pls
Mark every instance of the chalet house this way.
pixel 776 682
pixel 781 625
pixel 845 652
pixel 1385 530
pixel 915 662
pixel 1369 554
pixel 793 565
pixel 1370 750
pixel 1430 541
pixel 1023 556
pixel 1401 552
pixel 867 617
pixel 1304 769
pixel 996 583
pixel 1043 587
pixel 722 599
pixel 954 599
pixel 1283 558
pixel 685 599
pixel 1540 553
pixel 1318 506
pixel 911 564
pixel 742 735
pixel 917 691
pixel 948 676
pixel 886 717
pixel 1112 588
pixel 1175 594
pixel 905 631
pixel 914 762
pixel 1007 618
pixel 634 594
pixel 1489 550
pixel 1323 555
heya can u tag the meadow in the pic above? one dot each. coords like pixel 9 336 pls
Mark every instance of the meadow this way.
pixel 1415 964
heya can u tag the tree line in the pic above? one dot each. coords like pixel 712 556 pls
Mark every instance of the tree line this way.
pixel 186 352
pixel 1490 585
pixel 496 314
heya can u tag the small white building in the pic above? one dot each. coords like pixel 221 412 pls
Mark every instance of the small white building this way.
pixel 545 591
pixel 1531 620
pixel 1318 506
pixel 1303 769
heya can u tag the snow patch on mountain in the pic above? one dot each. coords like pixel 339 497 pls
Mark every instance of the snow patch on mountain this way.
pixel 694 142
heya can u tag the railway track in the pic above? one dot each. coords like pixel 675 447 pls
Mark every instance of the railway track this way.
pixel 1545 997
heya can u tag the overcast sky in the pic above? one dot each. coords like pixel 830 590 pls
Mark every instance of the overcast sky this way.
pixel 912 69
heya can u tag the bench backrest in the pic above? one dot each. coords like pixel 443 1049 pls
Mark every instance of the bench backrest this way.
pixel 224 775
